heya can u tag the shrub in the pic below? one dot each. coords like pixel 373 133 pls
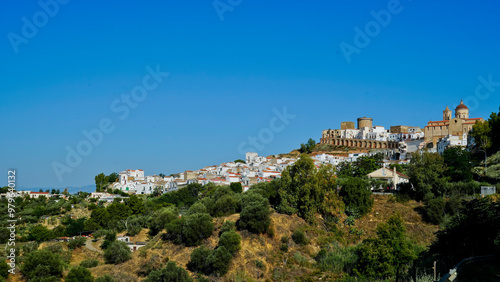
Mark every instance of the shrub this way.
pixel 259 264
pixel 190 230
pixel 4 269
pixel 89 263
pixel 55 248
pixel 42 264
pixel 284 247
pixel 197 207
pixel 109 238
pixel 337 259
pixel 160 218
pixel 154 263
pixel 77 243
pixel 231 241
pixel 199 260
pixel 434 210
pixel 219 261
pixel 117 252
pixel 299 237
pixel 356 195
pixel 29 247
pixel 170 272
pixel 40 233
pixel 79 274
pixel 255 215
pixel 228 225
pixel 105 278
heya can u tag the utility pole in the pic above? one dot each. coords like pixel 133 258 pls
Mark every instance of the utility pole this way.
pixel 434 270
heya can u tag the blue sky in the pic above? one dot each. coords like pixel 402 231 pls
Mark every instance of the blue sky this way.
pixel 226 77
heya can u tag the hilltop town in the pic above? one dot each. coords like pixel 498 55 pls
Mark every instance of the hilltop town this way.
pixel 346 144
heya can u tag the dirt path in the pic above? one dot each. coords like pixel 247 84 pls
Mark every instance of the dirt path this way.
pixel 90 246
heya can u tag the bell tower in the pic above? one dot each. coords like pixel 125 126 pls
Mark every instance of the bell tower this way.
pixel 447 114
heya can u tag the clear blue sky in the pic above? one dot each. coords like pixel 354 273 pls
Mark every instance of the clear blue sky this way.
pixel 226 77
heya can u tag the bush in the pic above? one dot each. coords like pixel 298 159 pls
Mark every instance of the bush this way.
pixel 228 225
pixel 190 230
pixel 356 195
pixel 117 252
pixel 255 215
pixel 434 210
pixel 154 263
pixel 337 260
pixel 284 247
pixel 42 264
pixel 77 243
pixel 219 261
pixel 231 241
pixel 160 218
pixel 89 263
pixel 4 269
pixel 40 234
pixel 199 260
pixel 105 278
pixel 197 207
pixel 170 272
pixel 299 237
pixel 30 247
pixel 79 274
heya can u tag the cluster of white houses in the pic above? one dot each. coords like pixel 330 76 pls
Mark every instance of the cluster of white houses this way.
pixel 256 169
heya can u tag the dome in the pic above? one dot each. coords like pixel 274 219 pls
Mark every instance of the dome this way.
pixel 461 106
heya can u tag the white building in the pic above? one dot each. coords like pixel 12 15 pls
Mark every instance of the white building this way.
pixel 451 140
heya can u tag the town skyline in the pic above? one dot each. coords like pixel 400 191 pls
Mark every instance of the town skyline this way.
pixel 168 87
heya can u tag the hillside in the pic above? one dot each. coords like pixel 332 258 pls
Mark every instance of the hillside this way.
pixel 260 257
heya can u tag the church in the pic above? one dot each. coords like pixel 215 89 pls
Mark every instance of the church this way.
pixel 460 126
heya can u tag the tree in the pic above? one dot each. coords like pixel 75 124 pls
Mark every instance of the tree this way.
pixel 197 227
pixel 170 273
pixel 255 214
pixel 302 188
pixel 79 274
pixel 308 147
pixel 76 243
pixel 42 264
pixel 40 233
pixel 231 241
pixel 101 180
pixel 117 252
pixel 356 194
pixel 219 261
pixel 109 238
pixel 236 187
pixel 113 177
pixel 458 163
pixel 384 256
pixel 239 161
pixel 199 260
pixel 160 218
pixel 135 204
pixel 427 174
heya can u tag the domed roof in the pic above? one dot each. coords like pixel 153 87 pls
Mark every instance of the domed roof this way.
pixel 461 106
